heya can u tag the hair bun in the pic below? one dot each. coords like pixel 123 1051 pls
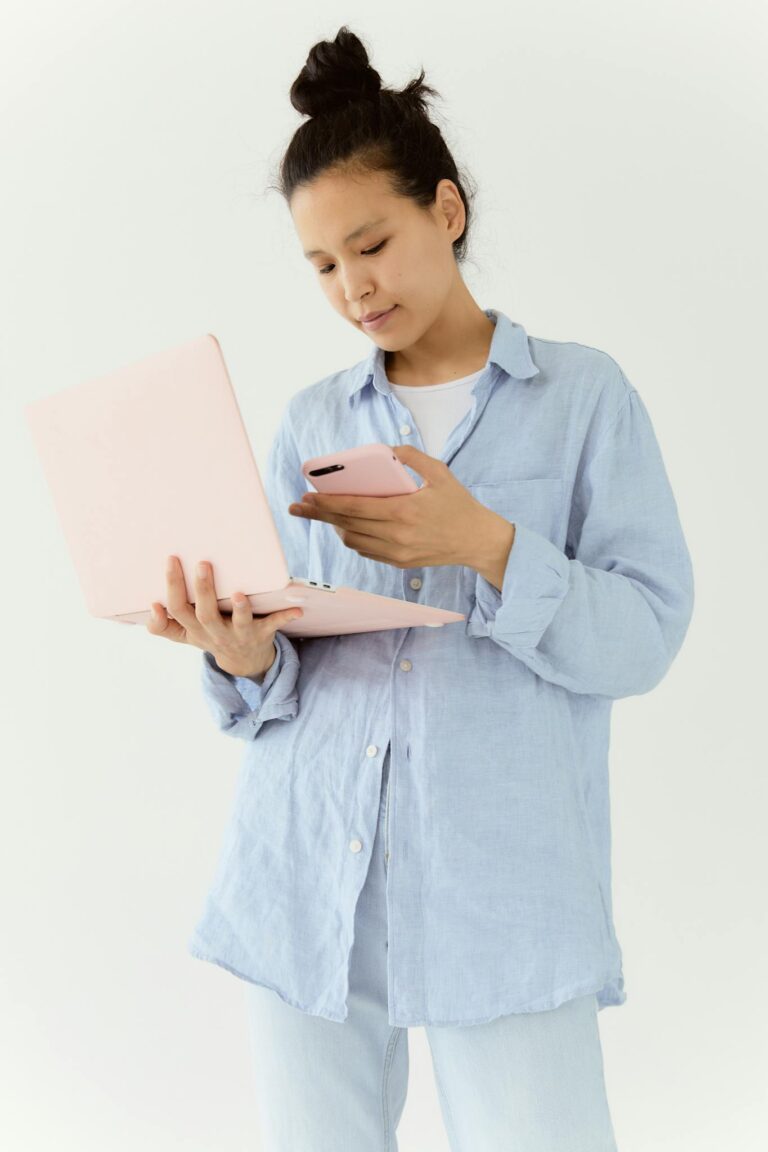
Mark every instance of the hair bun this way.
pixel 337 72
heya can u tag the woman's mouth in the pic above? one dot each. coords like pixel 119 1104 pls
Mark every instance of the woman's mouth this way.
pixel 382 319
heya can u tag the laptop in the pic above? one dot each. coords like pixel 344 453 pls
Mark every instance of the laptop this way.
pixel 154 460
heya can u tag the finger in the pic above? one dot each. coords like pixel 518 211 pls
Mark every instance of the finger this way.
pixel 377 508
pixel 242 615
pixel 386 534
pixel 161 624
pixel 206 605
pixel 358 540
pixel 176 597
pixel 374 548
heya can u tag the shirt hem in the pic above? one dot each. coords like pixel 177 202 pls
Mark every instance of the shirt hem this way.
pixel 611 987
pixel 326 1015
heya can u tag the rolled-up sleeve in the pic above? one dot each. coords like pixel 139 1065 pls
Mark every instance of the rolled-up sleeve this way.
pixel 238 704
pixel 608 615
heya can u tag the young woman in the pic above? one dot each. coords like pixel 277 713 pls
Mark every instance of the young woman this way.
pixel 420 834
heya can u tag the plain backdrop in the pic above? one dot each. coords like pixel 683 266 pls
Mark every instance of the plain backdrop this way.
pixel 621 157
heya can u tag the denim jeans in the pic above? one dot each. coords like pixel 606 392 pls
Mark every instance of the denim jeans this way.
pixel 528 1082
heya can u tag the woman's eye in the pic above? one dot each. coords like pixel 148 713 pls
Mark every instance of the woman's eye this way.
pixel 367 252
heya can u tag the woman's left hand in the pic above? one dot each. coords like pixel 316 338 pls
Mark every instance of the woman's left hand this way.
pixel 441 523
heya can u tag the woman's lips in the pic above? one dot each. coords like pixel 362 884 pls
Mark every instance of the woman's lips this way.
pixel 382 319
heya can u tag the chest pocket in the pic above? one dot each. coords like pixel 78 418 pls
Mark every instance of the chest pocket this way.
pixel 536 502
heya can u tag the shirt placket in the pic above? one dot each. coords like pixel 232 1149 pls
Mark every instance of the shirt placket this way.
pixel 386 817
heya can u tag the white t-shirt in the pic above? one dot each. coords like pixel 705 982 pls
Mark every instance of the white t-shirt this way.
pixel 437 408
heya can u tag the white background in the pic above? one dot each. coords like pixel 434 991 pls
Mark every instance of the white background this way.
pixel 621 158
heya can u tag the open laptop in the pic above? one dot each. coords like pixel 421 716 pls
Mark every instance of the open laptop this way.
pixel 154 460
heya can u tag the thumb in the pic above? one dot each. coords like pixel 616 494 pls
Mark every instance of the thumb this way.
pixel 423 465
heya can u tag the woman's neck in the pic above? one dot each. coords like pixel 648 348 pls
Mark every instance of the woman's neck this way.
pixel 423 365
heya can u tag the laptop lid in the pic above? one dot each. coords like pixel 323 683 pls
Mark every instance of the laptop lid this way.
pixel 153 460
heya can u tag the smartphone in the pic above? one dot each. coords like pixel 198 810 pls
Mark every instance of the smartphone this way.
pixel 369 470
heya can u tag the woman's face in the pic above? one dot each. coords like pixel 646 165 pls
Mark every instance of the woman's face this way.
pixel 405 259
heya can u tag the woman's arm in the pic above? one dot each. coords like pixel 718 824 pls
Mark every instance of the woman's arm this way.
pixel 240 704
pixel 609 615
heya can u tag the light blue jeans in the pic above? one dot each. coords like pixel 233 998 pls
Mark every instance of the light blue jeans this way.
pixel 528 1082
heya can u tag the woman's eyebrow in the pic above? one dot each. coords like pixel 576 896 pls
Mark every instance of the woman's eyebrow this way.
pixel 352 236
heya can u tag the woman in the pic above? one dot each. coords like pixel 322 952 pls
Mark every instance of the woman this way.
pixel 420 834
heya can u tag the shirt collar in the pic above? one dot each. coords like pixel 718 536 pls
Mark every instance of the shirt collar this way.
pixel 509 350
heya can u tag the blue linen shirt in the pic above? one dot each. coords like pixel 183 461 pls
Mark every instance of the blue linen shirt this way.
pixel 499 878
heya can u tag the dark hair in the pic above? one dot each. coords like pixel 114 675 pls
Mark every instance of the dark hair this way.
pixel 357 125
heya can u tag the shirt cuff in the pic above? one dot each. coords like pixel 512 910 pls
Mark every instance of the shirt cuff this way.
pixel 241 701
pixel 536 581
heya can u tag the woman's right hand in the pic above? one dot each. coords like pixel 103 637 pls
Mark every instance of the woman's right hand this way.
pixel 242 644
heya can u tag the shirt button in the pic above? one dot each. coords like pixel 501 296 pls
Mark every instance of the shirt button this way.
pixel 355 845
pixel 405 429
pixel 415 582
pixel 406 665
pixel 371 750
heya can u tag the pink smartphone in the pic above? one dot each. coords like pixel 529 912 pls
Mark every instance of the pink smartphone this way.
pixel 369 470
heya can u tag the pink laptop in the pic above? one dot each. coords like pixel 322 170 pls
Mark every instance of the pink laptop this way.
pixel 148 462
